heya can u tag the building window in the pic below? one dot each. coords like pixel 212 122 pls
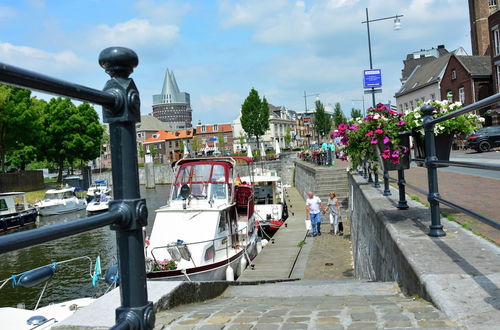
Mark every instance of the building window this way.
pixel 453 74
pixel 492 3
pixel 406 106
pixel 225 138
pixel 461 95
pixel 203 140
pixel 496 41
pixel 203 128
pixel 449 96
pixel 498 78
pixel 216 128
pixel 411 105
pixel 433 97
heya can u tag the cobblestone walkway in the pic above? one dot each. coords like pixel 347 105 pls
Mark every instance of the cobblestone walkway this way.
pixel 295 309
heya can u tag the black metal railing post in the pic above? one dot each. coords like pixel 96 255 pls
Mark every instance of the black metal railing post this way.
pixel 387 190
pixel 370 170
pixel 365 172
pixel 376 183
pixel 402 203
pixel 436 228
pixel 135 310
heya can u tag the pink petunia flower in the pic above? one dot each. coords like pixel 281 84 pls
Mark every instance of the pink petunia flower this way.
pixel 386 140
pixel 400 123
pixel 379 131
pixel 342 127
pixel 369 134
pixel 374 141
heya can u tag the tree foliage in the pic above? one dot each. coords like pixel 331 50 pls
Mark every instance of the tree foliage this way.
pixel 322 122
pixel 222 143
pixel 288 137
pixel 71 133
pixel 338 115
pixel 20 127
pixel 356 113
pixel 255 115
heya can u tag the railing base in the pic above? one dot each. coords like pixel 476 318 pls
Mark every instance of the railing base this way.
pixel 436 231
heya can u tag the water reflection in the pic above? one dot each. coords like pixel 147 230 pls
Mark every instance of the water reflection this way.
pixel 71 280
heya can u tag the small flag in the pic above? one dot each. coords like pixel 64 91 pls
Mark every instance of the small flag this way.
pixel 97 271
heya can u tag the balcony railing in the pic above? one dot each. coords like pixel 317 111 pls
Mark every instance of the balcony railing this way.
pixel 128 212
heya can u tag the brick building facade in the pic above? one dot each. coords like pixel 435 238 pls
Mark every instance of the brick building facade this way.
pixel 208 137
pixel 467 79
pixel 168 146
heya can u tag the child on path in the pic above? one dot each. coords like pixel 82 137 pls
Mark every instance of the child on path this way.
pixel 334 212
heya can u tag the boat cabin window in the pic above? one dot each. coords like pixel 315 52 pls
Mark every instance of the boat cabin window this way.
pixel 3 205
pixel 68 194
pixel 223 225
pixel 49 197
pixel 19 203
pixel 263 193
pixel 204 181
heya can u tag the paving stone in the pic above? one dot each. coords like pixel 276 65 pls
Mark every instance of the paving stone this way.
pixel 395 317
pixel 297 319
pixel 293 326
pixel 329 313
pixel 299 312
pixel 266 326
pixel 276 312
pixel 427 315
pixel 239 327
pixel 362 326
pixel 244 319
pixel 398 324
pixel 363 316
pixel 219 319
pixel 327 320
pixel 328 327
pixel 270 319
pixel 434 323
pixel 211 327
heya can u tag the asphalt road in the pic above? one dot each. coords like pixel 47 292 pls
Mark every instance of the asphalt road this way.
pixel 492 157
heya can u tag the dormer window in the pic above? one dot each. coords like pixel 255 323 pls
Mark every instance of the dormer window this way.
pixel 203 128
pixel 155 136
pixel 453 75
pixel 216 128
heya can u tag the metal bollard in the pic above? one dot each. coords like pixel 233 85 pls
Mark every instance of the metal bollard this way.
pixel 402 204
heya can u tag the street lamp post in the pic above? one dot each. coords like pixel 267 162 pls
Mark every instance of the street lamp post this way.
pixel 397 26
pixel 305 98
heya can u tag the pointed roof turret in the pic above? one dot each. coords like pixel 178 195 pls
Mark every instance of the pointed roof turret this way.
pixel 170 88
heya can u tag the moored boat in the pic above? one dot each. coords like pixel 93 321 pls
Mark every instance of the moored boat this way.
pixel 100 186
pixel 60 201
pixel 208 225
pixel 271 210
pixel 15 212
pixel 99 204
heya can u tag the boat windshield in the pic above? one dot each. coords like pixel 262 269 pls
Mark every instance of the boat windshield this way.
pixel 204 180
pixel 52 196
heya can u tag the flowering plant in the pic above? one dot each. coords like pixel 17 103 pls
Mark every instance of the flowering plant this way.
pixel 460 125
pixel 165 264
pixel 381 127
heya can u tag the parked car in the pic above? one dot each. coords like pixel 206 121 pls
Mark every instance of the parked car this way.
pixel 484 139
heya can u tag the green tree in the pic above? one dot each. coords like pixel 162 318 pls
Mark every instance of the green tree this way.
pixel 288 137
pixel 356 113
pixel 181 147
pixel 255 115
pixel 195 146
pixel 338 115
pixel 140 149
pixel 222 143
pixel 322 122
pixel 241 139
pixel 71 133
pixel 20 127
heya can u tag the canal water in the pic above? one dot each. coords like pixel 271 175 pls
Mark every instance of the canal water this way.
pixel 71 280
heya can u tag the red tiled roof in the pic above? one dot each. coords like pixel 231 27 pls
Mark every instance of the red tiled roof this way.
pixel 175 135
pixel 210 128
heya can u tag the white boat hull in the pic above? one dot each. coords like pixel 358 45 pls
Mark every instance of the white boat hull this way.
pixel 96 207
pixel 54 209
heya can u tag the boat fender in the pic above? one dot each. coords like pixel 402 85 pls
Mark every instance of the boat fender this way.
pixel 264 243
pixel 35 276
pixel 112 276
pixel 243 264
pixel 259 246
pixel 229 273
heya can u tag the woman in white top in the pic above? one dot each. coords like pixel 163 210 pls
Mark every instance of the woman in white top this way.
pixel 335 213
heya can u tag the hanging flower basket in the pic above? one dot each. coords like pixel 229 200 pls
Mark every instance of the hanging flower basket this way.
pixel 395 161
pixel 443 144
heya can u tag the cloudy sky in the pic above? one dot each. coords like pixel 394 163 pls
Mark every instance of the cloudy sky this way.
pixel 220 49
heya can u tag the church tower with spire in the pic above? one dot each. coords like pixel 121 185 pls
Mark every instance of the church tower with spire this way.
pixel 171 105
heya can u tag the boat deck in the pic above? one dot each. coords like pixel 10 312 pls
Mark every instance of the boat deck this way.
pixel 277 261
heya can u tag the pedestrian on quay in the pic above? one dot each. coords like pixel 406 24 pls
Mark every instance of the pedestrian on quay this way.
pixel 334 210
pixel 314 207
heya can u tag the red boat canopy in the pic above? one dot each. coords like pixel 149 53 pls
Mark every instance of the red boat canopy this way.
pixel 237 159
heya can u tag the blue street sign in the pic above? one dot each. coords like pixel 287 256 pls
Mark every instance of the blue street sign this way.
pixel 372 78
pixel 212 139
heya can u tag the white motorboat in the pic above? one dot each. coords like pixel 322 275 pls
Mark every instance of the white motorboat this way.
pixel 271 210
pixel 60 201
pixel 99 185
pixel 99 204
pixel 207 230
pixel 15 212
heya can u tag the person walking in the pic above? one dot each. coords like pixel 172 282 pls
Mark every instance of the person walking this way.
pixel 334 208
pixel 314 207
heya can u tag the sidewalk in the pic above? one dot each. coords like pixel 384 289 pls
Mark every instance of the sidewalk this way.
pixel 476 193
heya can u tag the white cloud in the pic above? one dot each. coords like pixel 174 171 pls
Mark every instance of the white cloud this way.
pixel 36 3
pixel 135 33
pixel 40 60
pixel 219 105
pixel 248 12
pixel 163 11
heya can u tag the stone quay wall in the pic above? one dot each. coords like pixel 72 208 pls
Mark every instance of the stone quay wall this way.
pixel 163 175
pixel 459 273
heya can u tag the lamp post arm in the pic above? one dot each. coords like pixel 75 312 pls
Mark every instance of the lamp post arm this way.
pixel 380 19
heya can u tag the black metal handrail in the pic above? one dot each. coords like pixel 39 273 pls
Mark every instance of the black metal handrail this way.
pixel 127 212
pixel 431 162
